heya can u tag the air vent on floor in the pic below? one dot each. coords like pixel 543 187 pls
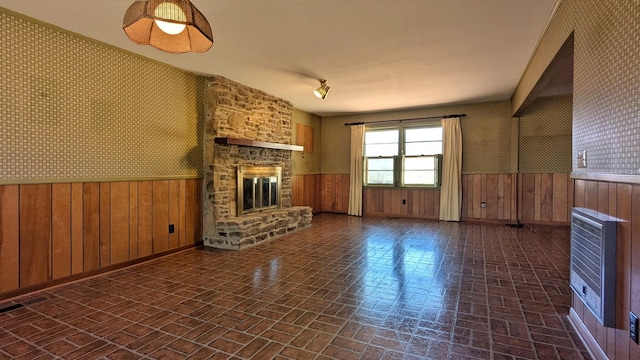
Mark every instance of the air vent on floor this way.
pixel 593 262
pixel 6 309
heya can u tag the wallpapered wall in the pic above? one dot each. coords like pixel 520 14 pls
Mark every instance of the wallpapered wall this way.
pixel 545 135
pixel 490 136
pixel 76 110
pixel 606 92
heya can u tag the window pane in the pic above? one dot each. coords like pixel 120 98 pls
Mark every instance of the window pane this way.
pixel 381 150
pixel 381 142
pixel 381 136
pixel 426 177
pixel 422 134
pixel 380 171
pixel 419 163
pixel 380 177
pixel 423 148
pixel 380 164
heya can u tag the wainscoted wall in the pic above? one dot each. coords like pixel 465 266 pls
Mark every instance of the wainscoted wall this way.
pixel 53 232
pixel 622 201
pixel 497 191
pixel 307 191
pixel 413 203
pixel 324 193
pixel 545 198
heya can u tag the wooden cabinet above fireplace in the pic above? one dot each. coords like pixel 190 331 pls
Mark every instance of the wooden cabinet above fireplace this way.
pixel 255 143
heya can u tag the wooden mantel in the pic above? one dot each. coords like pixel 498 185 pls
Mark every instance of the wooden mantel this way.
pixel 254 143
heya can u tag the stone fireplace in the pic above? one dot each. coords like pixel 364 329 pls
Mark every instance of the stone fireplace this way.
pixel 247 132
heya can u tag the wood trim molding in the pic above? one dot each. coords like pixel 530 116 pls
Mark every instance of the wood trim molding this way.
pixel 588 340
pixel 616 178
pixel 96 180
pixel 87 274
pixel 254 143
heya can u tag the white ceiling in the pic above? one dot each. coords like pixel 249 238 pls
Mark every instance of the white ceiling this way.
pixel 375 54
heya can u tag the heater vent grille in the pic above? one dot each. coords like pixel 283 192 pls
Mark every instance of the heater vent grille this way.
pixel 593 268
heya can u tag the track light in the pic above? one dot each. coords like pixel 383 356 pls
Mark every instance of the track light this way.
pixel 322 91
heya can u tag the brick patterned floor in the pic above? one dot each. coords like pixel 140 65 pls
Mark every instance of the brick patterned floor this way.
pixel 344 288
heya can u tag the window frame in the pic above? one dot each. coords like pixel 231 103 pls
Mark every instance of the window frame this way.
pixel 398 159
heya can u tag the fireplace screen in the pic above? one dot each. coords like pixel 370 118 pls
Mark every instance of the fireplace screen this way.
pixel 258 188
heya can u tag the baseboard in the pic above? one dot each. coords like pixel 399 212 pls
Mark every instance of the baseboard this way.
pixel 587 339
pixel 9 295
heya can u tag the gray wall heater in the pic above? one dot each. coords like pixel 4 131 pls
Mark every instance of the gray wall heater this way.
pixel 593 262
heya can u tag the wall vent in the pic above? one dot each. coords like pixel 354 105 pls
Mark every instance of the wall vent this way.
pixel 593 262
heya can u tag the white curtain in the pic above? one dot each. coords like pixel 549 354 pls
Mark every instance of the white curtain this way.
pixel 451 189
pixel 355 179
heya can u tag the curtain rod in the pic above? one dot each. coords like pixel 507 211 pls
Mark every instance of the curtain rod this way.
pixel 401 120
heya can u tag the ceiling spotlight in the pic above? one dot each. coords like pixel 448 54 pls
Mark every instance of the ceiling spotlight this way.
pixel 322 91
pixel 174 26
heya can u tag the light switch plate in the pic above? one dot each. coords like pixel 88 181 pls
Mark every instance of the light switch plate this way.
pixel 582 158
pixel 633 327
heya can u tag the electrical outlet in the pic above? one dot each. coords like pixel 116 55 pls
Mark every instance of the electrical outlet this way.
pixel 483 204
pixel 404 201
pixel 172 229
pixel 633 327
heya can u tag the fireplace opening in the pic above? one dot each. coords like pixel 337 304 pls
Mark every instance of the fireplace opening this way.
pixel 258 188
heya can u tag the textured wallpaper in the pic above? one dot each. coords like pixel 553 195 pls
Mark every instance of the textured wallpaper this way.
pixel 606 95
pixel 489 136
pixel 545 136
pixel 76 110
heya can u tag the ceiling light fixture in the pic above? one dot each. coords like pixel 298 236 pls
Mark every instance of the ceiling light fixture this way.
pixel 174 26
pixel 322 91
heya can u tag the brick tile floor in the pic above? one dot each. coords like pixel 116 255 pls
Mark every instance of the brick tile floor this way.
pixel 344 288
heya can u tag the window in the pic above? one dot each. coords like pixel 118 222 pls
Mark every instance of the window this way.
pixel 402 156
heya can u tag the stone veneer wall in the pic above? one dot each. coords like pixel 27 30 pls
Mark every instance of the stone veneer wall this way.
pixel 238 111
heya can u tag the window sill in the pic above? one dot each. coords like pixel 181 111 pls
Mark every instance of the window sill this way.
pixel 392 187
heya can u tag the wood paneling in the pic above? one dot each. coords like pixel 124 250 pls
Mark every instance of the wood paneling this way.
pixel 145 218
pixel 528 190
pixel 105 224
pixel 119 219
pixel 634 264
pixel 9 238
pixel 61 230
pixel 191 217
pixel 546 198
pixel 414 203
pixel 174 213
pixel 622 211
pixel 491 212
pixel 77 228
pixel 35 234
pixel 160 216
pixel 497 191
pixel 91 226
pixel 561 204
pixel 307 191
pixel 335 193
pixel 133 220
pixel 53 231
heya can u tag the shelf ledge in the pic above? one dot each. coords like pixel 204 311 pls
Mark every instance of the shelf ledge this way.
pixel 254 143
